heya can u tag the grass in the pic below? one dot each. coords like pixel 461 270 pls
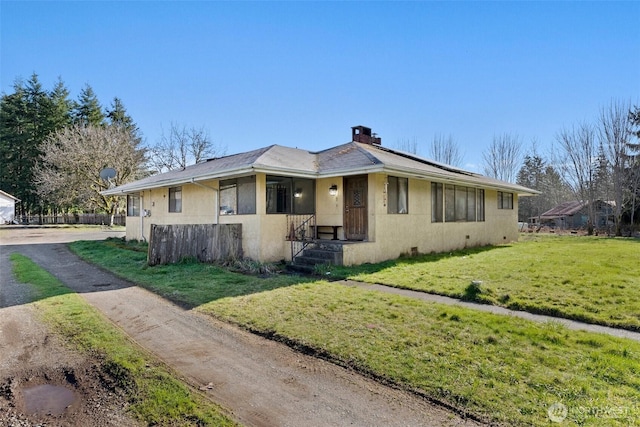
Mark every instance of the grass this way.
pixel 188 283
pixel 496 368
pixel 591 279
pixel 155 396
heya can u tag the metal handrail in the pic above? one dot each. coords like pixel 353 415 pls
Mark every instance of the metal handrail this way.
pixel 300 232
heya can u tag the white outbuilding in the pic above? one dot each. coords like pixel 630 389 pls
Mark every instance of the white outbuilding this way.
pixel 7 207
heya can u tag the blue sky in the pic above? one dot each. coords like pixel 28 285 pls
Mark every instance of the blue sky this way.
pixel 302 73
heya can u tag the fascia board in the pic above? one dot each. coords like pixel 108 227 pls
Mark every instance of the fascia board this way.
pixel 409 173
pixel 448 178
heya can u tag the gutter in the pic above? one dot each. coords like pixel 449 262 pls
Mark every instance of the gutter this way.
pixel 444 175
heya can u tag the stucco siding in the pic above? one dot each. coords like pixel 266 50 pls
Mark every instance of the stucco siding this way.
pixel 389 235
pixel 397 234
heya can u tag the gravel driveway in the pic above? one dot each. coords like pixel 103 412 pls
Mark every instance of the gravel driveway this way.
pixel 261 382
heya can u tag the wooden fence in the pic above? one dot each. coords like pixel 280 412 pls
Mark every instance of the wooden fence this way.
pixel 83 218
pixel 205 242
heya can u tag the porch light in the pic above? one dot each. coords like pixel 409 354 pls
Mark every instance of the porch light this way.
pixel 333 190
pixel 298 193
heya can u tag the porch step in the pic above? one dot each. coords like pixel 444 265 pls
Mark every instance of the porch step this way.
pixel 317 254
pixel 328 245
pixel 331 257
pixel 308 260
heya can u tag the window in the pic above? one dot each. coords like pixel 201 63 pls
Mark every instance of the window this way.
pixel 449 203
pixel 461 204
pixel 480 204
pixel 397 194
pixel 175 199
pixel 436 202
pixel 505 200
pixel 133 205
pixel 290 195
pixel 238 196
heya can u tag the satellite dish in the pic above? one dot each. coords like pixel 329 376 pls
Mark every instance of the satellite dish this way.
pixel 107 173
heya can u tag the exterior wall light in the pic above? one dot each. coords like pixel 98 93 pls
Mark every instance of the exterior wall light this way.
pixel 298 193
pixel 333 190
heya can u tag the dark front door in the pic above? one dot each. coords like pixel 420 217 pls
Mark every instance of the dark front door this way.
pixel 355 207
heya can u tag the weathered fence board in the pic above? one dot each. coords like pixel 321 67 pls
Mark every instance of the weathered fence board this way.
pixel 206 242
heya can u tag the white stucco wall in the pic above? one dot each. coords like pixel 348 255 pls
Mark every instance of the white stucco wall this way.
pixel 392 235
pixel 389 235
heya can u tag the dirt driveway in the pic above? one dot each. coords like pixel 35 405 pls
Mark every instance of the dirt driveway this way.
pixel 261 382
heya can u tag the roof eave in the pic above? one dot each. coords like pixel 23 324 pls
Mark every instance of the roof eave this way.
pixel 118 191
pixel 463 179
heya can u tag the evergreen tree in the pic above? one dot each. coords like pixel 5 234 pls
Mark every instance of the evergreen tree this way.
pixel 118 116
pixel 530 176
pixel 14 176
pixel 88 110
pixel 536 174
pixel 62 106
pixel 603 176
pixel 26 119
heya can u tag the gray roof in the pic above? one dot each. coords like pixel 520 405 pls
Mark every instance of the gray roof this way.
pixel 351 158
pixel 572 207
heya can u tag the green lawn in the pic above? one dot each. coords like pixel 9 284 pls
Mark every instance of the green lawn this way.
pixel 188 283
pixel 155 396
pixel 593 279
pixel 496 368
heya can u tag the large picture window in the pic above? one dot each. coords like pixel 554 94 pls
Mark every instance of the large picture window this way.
pixel 290 195
pixel 175 199
pixel 133 205
pixel 238 196
pixel 459 203
pixel 397 195
pixel 505 200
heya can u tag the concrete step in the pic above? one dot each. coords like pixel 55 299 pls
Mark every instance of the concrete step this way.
pixel 306 260
pixel 331 256
pixel 328 246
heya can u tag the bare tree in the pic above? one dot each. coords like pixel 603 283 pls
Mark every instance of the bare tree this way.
pixel 408 145
pixel 445 150
pixel 634 162
pixel 182 147
pixel 68 173
pixel 577 161
pixel 503 157
pixel 614 132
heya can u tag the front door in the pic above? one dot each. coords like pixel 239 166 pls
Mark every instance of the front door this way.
pixel 355 207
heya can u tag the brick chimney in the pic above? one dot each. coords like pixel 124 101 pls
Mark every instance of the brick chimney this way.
pixel 363 135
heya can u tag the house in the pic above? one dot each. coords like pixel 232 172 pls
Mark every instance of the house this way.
pixel 369 202
pixel 7 207
pixel 575 214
